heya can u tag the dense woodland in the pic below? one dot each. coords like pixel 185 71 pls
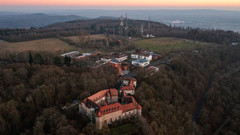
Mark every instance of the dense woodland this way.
pixel 171 97
pixel 34 87
pixel 111 27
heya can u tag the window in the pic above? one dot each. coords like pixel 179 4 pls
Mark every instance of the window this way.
pixel 118 107
pixel 101 112
pixel 104 111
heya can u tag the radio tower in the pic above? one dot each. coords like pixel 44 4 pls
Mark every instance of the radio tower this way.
pixel 126 28
pixel 149 26
pixel 121 23
pixel 141 30
pixel 121 26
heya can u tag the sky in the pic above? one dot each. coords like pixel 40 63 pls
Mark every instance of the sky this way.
pixel 124 4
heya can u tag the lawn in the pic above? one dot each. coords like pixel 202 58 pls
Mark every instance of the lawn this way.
pixel 76 39
pixel 52 45
pixel 167 44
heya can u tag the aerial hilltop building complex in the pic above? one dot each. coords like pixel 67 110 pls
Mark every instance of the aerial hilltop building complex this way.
pixel 110 105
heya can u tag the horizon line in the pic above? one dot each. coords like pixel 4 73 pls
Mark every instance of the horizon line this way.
pixel 50 7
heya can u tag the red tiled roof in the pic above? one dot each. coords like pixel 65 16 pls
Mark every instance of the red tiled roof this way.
pixel 91 104
pixel 128 99
pixel 117 107
pixel 109 109
pixel 131 106
pixel 106 109
pixel 103 93
pixel 127 88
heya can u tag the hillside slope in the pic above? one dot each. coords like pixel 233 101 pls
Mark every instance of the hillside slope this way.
pixel 32 20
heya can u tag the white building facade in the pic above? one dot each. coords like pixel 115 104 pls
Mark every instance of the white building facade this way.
pixel 140 62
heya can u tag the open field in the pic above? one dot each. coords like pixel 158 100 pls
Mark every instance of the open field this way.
pixel 76 39
pixel 168 44
pixel 52 45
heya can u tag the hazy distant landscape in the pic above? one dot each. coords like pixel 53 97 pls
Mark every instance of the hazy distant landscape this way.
pixel 208 19
pixel 25 20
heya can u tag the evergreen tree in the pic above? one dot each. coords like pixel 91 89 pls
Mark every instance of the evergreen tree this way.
pixel 30 58
pixel 38 59
pixel 57 61
pixel 67 60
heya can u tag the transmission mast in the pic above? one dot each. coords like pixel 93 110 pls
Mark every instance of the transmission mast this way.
pixel 141 30
pixel 149 26
pixel 121 26
pixel 126 27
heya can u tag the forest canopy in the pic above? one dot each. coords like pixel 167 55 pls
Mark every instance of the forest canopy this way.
pixel 197 93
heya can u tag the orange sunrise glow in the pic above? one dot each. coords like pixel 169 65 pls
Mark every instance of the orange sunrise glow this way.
pixel 213 3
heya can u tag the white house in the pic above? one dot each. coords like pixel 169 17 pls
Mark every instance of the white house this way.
pixel 71 54
pixel 141 56
pixel 140 62
pixel 145 57
pixel 134 56
pixel 84 55
pixel 121 58
pixel 148 57
pixel 106 59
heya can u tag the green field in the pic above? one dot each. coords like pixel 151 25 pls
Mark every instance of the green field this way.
pixel 76 39
pixel 52 45
pixel 167 44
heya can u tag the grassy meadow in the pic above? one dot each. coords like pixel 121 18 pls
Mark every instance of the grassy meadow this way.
pixel 76 39
pixel 52 45
pixel 167 44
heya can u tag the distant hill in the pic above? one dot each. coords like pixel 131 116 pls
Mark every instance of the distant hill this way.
pixel 200 18
pixel 111 26
pixel 107 17
pixel 14 20
pixel 207 19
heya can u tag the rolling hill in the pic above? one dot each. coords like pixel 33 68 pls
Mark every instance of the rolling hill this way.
pixel 11 20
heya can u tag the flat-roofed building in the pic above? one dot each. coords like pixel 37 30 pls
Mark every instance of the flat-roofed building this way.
pixel 72 54
pixel 140 62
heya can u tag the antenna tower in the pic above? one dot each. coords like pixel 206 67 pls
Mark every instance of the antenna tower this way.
pixel 149 26
pixel 141 30
pixel 121 26
pixel 126 27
